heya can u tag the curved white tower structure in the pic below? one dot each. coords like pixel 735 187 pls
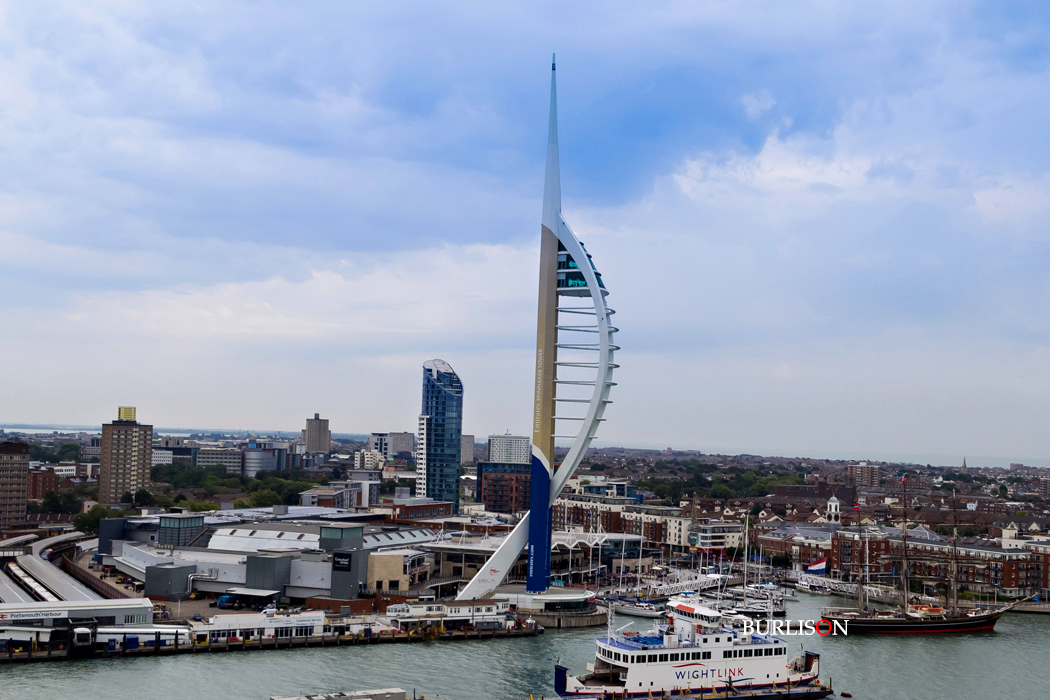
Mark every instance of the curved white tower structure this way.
pixel 574 367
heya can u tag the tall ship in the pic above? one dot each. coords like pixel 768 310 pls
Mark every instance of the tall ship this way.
pixel 912 616
pixel 693 653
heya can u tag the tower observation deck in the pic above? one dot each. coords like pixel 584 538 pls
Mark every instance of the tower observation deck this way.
pixel 574 368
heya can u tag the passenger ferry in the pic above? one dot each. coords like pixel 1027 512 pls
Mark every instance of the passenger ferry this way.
pixel 265 625
pixel 411 616
pixel 692 654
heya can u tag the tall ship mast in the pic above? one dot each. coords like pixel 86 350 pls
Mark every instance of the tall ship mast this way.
pixel 918 618
pixel 904 539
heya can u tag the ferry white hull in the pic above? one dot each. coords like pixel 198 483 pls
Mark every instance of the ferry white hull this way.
pixel 690 678
pixel 695 654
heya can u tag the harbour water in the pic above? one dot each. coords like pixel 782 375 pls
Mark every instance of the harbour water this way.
pixel 1008 663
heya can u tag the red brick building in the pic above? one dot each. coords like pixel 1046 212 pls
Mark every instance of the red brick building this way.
pixel 982 568
pixel 1039 564
pixel 503 488
pixel 410 509
pixel 42 480
pixel 850 553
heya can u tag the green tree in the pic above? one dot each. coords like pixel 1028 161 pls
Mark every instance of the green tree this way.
pixel 266 498
pixel 721 491
pixel 88 522
pixel 198 506
pixel 51 503
pixel 69 451
pixel 42 453
pixel 128 497
pixel 143 498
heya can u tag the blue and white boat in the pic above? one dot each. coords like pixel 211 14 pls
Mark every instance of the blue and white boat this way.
pixel 693 653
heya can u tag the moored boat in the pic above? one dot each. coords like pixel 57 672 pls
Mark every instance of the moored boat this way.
pixel 909 618
pixel 807 586
pixel 915 621
pixel 694 653
pixel 636 608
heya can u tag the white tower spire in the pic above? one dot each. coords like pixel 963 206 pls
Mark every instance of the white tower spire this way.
pixel 566 272
pixel 552 178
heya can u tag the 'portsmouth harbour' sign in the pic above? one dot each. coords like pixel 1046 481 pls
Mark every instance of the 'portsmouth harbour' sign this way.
pixel 33 615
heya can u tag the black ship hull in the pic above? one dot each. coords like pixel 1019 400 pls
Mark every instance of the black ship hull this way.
pixel 902 625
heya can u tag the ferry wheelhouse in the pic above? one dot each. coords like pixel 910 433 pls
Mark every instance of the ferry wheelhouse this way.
pixel 692 653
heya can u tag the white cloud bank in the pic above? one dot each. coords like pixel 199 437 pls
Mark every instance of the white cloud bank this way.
pixel 239 223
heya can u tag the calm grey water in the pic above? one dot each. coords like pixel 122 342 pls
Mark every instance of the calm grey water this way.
pixel 1012 662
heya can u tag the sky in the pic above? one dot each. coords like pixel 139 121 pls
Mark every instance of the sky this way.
pixel 823 225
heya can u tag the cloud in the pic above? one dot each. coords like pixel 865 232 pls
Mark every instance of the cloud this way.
pixel 235 212
pixel 755 105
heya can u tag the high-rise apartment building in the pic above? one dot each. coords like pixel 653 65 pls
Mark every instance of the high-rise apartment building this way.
pixel 317 437
pixel 440 434
pixel 466 449
pixel 127 454
pixel 510 449
pixel 863 474
pixel 14 482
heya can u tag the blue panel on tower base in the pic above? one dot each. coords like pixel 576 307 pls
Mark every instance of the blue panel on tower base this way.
pixel 539 548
